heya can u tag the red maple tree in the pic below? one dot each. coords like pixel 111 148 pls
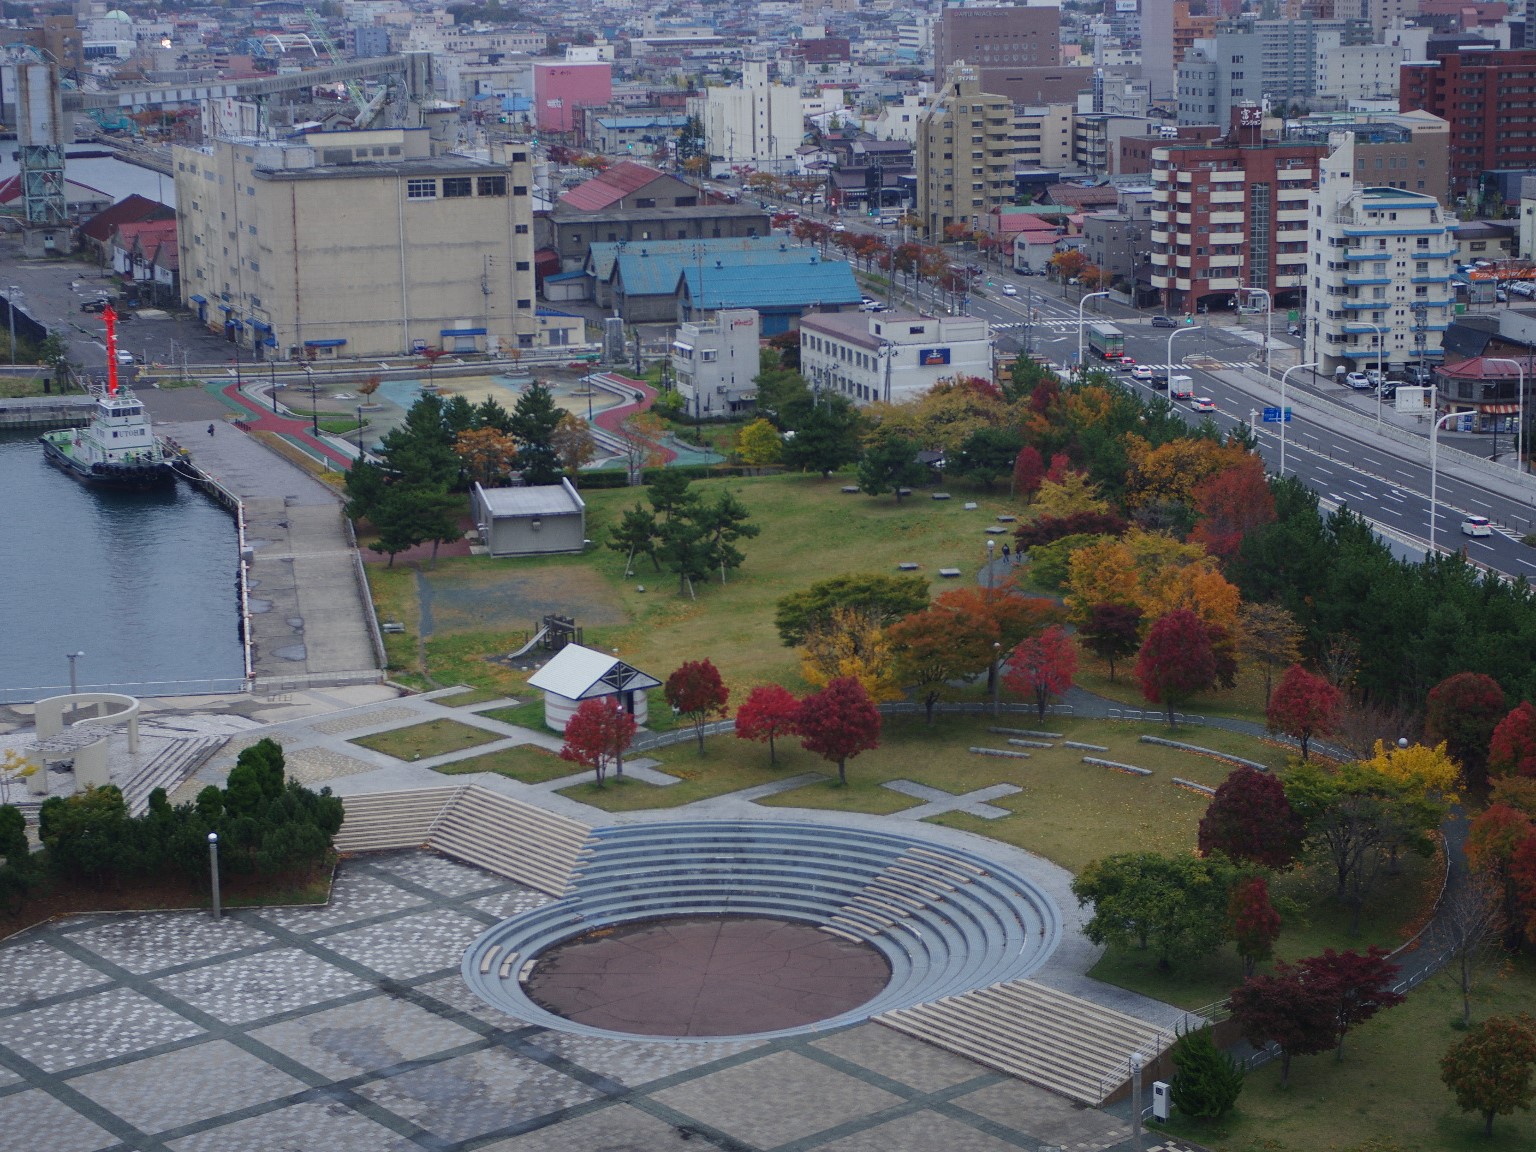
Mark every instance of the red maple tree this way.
pixel 1463 710
pixel 768 711
pixel 696 691
pixel 1496 837
pixel 1303 706
pixel 839 722
pixel 1042 666
pixel 1284 1009
pixel 1358 985
pixel 1252 921
pixel 1249 819
pixel 1028 471
pixel 1512 751
pixel 597 735
pixel 1232 503
pixel 1176 660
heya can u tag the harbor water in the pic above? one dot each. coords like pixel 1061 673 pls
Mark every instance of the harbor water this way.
pixel 144 583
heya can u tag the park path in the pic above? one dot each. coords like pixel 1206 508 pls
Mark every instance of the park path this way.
pixel 255 417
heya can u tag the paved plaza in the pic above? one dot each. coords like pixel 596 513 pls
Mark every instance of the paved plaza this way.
pixel 347 1027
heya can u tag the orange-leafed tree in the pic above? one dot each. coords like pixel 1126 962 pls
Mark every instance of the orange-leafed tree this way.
pixel 487 455
pixel 937 646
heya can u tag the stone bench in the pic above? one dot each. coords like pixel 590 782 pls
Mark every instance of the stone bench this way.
pixel 939 496
pixel 850 489
pixel 1000 752
pixel 908 566
pixel 994 530
pixel 1081 747
pixel 1193 787
pixel 1036 733
pixel 949 573
pixel 1006 519
pixel 1018 743
pixel 1117 766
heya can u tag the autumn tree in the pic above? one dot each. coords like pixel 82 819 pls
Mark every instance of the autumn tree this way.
pixel 1427 772
pixel 852 644
pixel 1496 836
pixel 1042 666
pixel 487 455
pixel 1358 985
pixel 597 735
pixel 572 442
pixel 1252 921
pixel 1176 661
pixel 1230 504
pixel 1303 706
pixel 939 645
pixel 1512 749
pixel 1172 905
pixel 1463 710
pixel 769 711
pixel 1268 635
pixel 1490 1068
pixel 1028 472
pixel 883 598
pixel 1111 632
pixel 696 692
pixel 838 723
pixel 760 443
pixel 1250 820
pixel 1284 1009
pixel 1469 923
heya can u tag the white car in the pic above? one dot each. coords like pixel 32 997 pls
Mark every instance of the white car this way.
pixel 1203 404
pixel 1140 372
pixel 124 356
pixel 1359 381
pixel 1476 526
pixel 1010 290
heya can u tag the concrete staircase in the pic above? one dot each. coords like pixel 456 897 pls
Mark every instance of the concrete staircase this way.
pixel 1060 1042
pixel 473 824
pixel 168 768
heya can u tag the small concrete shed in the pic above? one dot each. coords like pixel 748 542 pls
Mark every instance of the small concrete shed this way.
pixel 535 521
pixel 575 674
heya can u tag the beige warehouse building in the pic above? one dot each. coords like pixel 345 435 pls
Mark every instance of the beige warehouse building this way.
pixel 357 243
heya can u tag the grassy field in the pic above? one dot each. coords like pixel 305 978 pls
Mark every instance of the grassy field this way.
pixel 421 741
pixel 527 762
pixel 1387 1089
pixel 469 697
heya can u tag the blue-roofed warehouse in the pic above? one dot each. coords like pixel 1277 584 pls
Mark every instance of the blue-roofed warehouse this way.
pixel 781 292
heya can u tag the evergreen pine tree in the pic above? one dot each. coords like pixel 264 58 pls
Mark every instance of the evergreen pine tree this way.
pixel 533 427
pixel 1207 1082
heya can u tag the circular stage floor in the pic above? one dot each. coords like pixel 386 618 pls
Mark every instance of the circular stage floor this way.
pixel 706 976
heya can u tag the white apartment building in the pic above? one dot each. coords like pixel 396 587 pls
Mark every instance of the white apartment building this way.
pixel 1349 73
pixel 890 356
pixel 356 243
pixel 759 123
pixel 1381 266
pixel 716 362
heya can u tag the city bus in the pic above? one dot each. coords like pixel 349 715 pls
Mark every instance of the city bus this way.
pixel 1106 341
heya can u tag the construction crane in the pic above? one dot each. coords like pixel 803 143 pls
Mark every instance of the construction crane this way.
pixel 367 109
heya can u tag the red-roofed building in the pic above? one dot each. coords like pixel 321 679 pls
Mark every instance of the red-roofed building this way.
pixel 97 232
pixel 145 252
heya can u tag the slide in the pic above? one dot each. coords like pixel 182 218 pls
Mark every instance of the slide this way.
pixel 528 647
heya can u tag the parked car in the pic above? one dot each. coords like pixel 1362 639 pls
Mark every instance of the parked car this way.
pixel 124 356
pixel 1164 322
pixel 1476 526
pixel 1359 381
pixel 1203 404
pixel 1374 376
pixel 93 306
pixel 1294 329
pixel 1010 290
pixel 1026 270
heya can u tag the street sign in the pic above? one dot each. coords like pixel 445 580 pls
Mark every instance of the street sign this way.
pixel 1464 422
pixel 1272 416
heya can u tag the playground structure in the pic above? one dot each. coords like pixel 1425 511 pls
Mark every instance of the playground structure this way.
pixel 552 635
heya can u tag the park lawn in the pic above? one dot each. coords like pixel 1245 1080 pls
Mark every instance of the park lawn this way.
pixel 469 696
pixel 422 741
pixel 1387 1089
pixel 1245 701
pixel 529 714
pixel 395 599
pixel 527 762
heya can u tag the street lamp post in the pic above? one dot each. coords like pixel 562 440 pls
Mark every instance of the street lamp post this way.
pixel 1081 319
pixel 991 551
pixel 359 431
pixel 1284 377
pixel 1381 376
pixel 272 384
pixel 213 869
pixel 1434 472
pixel 997 672
pixel 1520 401
pixel 11 292
pixel 72 657
pixel 1136 1101
pixel 1171 335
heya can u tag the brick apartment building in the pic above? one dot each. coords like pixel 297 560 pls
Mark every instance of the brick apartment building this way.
pixel 1488 98
pixel 998 38
pixel 1231 214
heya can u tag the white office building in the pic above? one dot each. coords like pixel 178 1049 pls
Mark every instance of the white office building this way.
pixel 890 356
pixel 716 362
pixel 1381 265
pixel 760 123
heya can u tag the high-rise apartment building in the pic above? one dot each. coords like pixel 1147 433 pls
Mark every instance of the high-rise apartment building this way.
pixel 1381 271
pixel 759 122
pixel 1013 37
pixel 964 153
pixel 1488 98
pixel 1232 214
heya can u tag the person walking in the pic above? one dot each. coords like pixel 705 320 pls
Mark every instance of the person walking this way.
pixel 210 429
pixel 1007 562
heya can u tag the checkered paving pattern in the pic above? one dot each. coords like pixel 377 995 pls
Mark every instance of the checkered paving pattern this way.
pixel 347 1028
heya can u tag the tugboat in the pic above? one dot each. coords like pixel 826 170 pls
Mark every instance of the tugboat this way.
pixel 117 449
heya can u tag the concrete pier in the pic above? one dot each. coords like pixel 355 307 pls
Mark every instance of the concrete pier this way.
pixel 310 623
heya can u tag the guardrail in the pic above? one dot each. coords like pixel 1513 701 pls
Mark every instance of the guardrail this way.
pixel 375 633
pixel 213 686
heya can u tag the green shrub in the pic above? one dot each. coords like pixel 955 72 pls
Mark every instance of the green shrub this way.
pixel 1208 1081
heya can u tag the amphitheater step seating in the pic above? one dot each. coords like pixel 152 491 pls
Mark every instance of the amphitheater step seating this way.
pixel 511 839
pixel 1049 1038
pixel 377 822
pixel 168 768
pixel 945 922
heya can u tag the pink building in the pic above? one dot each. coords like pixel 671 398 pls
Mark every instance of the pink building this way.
pixel 561 91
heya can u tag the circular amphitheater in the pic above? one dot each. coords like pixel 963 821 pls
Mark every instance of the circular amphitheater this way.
pixel 945 921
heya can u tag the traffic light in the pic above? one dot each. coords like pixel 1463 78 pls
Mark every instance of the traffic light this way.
pixel 1189 321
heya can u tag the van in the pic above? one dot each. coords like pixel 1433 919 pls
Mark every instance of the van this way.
pixel 1181 387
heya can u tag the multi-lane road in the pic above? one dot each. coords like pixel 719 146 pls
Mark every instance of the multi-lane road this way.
pixel 1348 463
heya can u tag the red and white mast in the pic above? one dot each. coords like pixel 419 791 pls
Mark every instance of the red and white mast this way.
pixel 110 316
